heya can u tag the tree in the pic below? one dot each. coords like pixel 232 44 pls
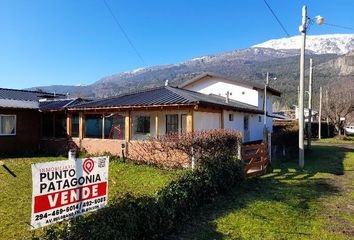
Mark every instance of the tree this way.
pixel 339 102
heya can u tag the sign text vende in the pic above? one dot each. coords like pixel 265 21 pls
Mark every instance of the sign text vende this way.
pixel 65 189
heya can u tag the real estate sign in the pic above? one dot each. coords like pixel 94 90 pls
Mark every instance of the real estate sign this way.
pixel 66 189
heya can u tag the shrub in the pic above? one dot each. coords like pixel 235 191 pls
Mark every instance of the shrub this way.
pixel 176 150
pixel 155 217
pixel 287 136
pixel 203 145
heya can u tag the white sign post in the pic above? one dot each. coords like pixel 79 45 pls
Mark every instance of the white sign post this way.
pixel 65 189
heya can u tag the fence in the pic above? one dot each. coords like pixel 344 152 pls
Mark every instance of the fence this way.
pixel 255 157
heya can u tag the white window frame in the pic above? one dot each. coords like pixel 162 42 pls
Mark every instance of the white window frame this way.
pixel 8 115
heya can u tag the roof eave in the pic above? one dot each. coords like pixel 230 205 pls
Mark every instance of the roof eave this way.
pixel 228 107
pixel 131 107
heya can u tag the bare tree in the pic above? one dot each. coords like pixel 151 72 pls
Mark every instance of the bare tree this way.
pixel 339 102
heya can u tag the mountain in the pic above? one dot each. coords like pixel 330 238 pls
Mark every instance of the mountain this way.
pixel 250 64
pixel 320 44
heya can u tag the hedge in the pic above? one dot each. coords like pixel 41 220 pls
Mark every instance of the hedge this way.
pixel 155 217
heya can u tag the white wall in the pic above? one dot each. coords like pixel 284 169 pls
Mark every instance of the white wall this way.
pixel 245 94
pixel 236 124
pixel 206 121
pixel 255 127
pixel 218 86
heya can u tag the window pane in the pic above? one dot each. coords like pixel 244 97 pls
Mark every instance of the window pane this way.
pixel 93 126
pixel 60 125
pixel 245 123
pixel 115 127
pixel 171 123
pixel 75 125
pixel 8 125
pixel 143 124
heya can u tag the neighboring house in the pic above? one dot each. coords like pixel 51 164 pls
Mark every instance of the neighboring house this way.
pixel 248 93
pixel 314 114
pixel 282 117
pixel 20 120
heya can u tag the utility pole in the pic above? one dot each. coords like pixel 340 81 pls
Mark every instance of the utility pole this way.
pixel 309 130
pixel 265 101
pixel 320 115
pixel 302 29
pixel 327 120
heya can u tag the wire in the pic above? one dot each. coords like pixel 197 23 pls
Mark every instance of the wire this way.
pixel 124 32
pixel 275 16
pixel 338 26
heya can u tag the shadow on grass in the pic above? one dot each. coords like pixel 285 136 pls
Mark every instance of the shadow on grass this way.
pixel 294 189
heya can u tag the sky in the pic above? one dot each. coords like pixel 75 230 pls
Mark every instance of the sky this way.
pixel 73 42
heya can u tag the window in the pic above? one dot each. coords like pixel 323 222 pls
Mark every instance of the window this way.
pixel 75 125
pixel 171 123
pixel 231 117
pixel 245 123
pixel 259 119
pixel 60 125
pixel 143 124
pixel 115 126
pixel 7 124
pixel 93 126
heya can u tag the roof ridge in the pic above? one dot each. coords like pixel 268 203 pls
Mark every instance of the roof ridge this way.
pixel 123 95
pixel 68 104
pixel 30 91
pixel 178 91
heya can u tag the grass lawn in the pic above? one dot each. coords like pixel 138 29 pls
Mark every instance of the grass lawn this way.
pixel 334 140
pixel 16 193
pixel 289 203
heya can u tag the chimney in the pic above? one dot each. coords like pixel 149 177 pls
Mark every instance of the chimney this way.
pixel 228 94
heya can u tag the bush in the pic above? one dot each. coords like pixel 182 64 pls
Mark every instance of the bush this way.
pixel 176 150
pixel 204 144
pixel 155 217
pixel 287 136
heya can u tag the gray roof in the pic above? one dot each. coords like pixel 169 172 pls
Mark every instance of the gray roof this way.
pixel 60 104
pixel 25 95
pixel 167 96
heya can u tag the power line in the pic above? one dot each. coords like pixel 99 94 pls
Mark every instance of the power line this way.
pixel 338 26
pixel 275 16
pixel 124 32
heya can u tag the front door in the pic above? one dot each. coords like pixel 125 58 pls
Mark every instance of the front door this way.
pixel 246 129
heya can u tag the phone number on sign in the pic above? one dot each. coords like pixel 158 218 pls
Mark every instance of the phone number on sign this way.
pixel 76 207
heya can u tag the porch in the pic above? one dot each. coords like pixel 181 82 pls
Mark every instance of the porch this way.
pixel 112 129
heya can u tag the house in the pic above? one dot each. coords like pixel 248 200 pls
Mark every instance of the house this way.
pixel 20 120
pixel 314 114
pixel 247 93
pixel 113 124
pixel 204 103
